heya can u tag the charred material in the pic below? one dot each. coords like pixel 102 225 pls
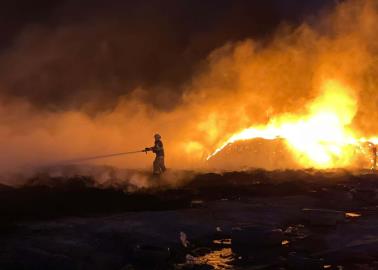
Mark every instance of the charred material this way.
pixel 237 220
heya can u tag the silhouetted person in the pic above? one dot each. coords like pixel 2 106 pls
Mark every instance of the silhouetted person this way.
pixel 158 149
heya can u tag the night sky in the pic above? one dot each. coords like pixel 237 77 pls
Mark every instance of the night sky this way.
pixel 60 55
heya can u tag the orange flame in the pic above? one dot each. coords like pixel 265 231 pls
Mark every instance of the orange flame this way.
pixel 322 138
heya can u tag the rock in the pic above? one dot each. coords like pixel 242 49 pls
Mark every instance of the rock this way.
pixel 323 217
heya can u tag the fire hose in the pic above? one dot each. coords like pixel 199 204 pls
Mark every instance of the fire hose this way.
pixel 101 156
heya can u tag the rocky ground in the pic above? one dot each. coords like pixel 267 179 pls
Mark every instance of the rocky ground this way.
pixel 238 220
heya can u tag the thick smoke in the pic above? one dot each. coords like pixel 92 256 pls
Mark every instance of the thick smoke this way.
pixel 86 54
pixel 96 85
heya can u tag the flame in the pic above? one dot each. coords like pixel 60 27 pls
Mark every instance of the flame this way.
pixel 322 137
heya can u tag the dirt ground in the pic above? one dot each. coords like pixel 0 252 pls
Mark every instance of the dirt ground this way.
pixel 237 220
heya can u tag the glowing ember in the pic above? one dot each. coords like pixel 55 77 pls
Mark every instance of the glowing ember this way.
pixel 352 215
pixel 322 137
pixel 285 242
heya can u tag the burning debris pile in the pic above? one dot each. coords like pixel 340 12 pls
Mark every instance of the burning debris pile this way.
pixel 254 153
pixel 321 139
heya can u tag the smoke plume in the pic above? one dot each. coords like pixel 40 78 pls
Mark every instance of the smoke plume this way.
pixel 96 86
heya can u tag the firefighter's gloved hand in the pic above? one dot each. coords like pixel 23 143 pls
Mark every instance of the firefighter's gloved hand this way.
pixel 147 149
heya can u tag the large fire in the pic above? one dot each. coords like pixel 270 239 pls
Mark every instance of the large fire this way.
pixel 305 95
pixel 322 137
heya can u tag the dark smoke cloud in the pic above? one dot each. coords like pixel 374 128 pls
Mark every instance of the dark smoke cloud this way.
pixel 62 55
